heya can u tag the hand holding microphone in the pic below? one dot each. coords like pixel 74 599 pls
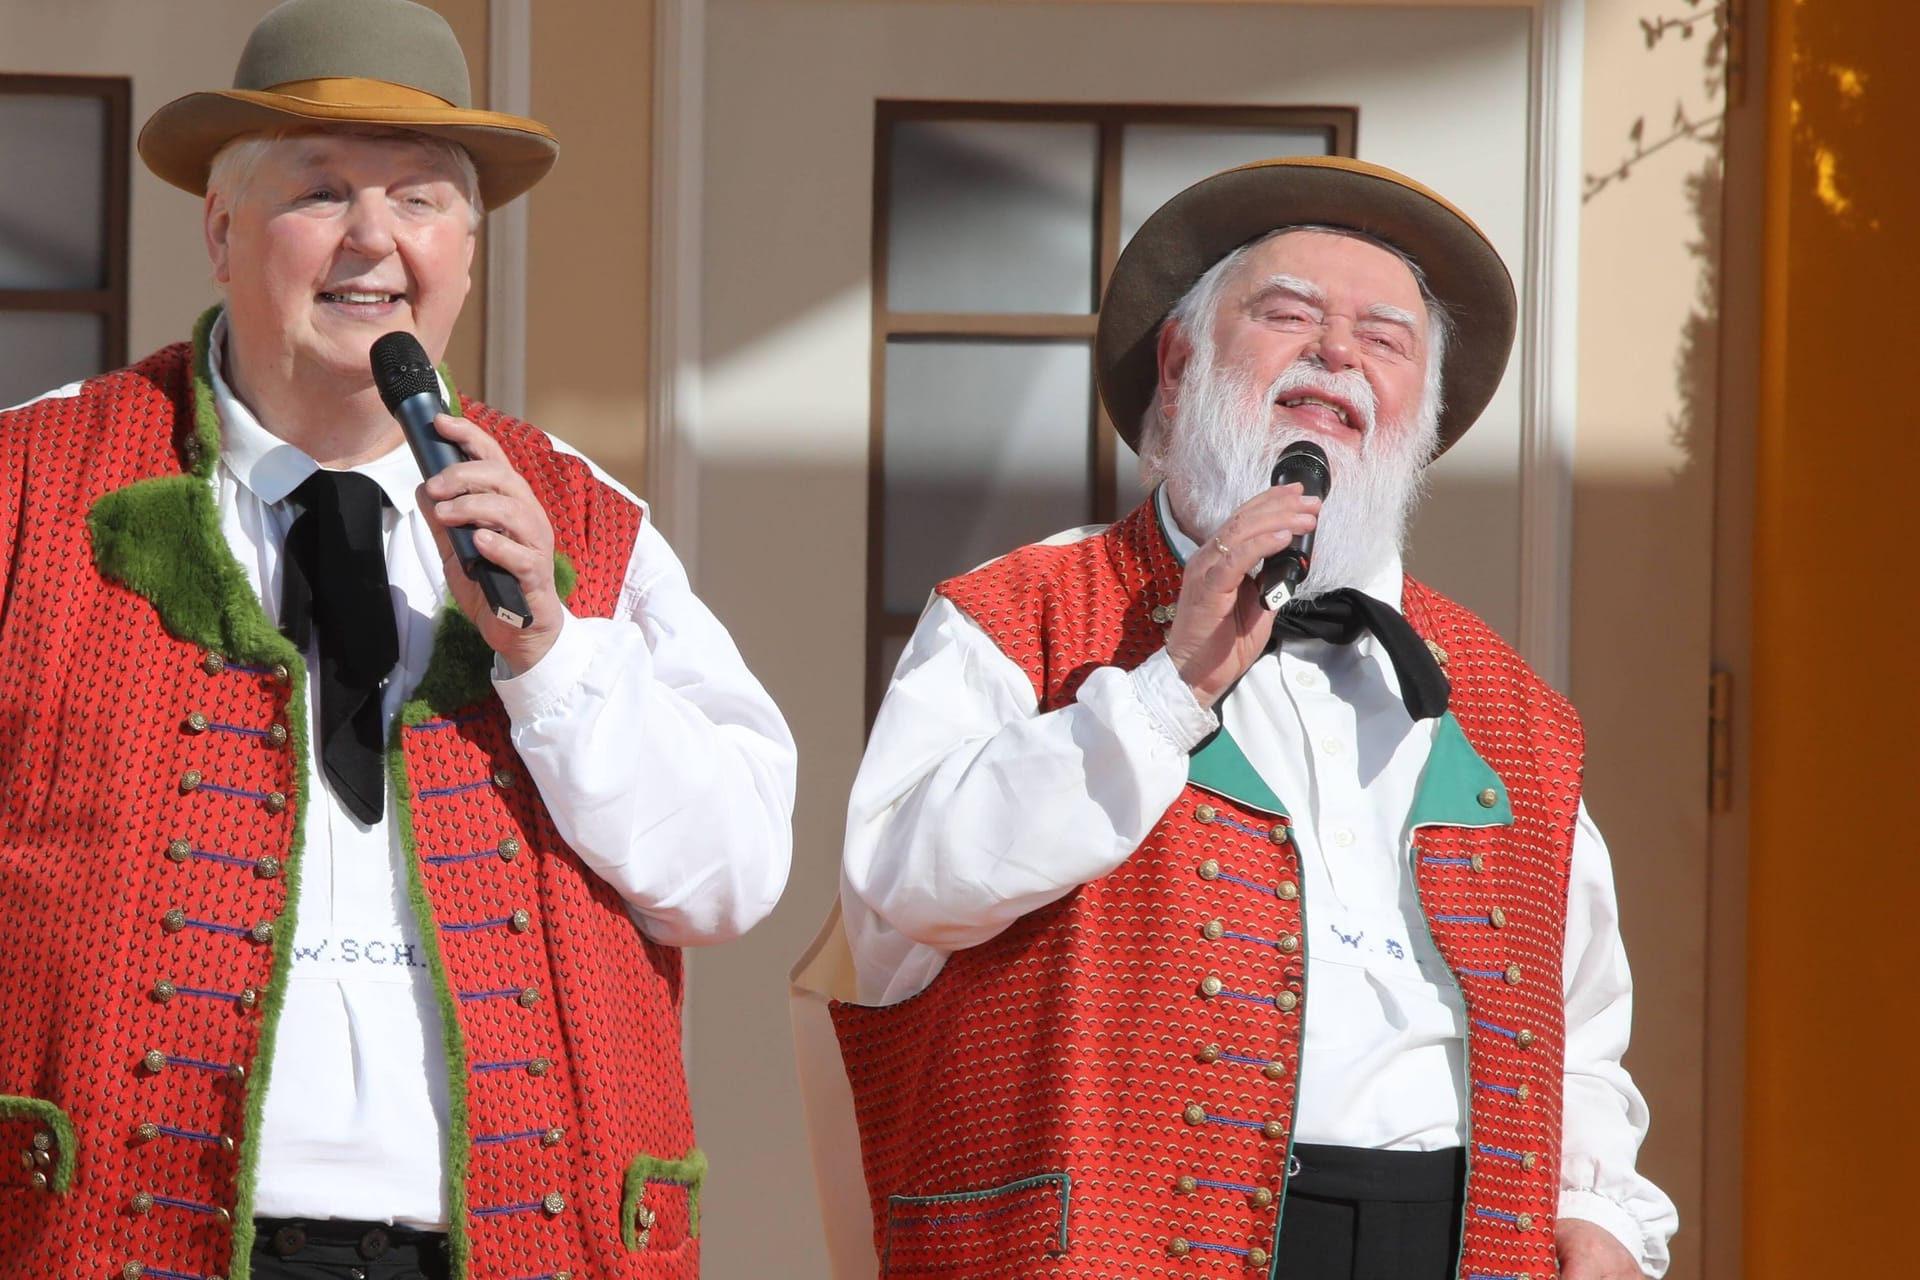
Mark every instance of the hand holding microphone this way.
pixel 1305 464
pixel 1222 620
pixel 410 388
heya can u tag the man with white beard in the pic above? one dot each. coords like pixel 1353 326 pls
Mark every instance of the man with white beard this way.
pixel 1192 939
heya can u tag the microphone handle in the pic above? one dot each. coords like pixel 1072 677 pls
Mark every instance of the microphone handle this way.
pixel 1285 570
pixel 435 454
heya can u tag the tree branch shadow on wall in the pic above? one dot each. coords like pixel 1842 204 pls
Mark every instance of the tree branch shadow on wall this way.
pixel 1696 362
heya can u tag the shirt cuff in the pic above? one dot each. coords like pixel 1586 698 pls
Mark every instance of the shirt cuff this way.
pixel 543 687
pixel 1595 1207
pixel 1170 703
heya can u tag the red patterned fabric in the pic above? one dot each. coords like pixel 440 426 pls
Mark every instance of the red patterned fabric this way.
pixel 1107 1088
pixel 150 825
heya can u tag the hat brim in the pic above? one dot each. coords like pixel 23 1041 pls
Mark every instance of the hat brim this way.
pixel 178 143
pixel 1215 216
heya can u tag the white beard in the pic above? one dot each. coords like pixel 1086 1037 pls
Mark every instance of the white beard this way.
pixel 1222 447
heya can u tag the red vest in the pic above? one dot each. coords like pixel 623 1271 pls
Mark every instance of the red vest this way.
pixel 151 811
pixel 1107 1088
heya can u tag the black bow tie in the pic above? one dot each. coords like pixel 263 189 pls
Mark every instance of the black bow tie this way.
pixel 335 585
pixel 1341 616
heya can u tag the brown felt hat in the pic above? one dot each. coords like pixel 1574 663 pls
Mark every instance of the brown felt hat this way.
pixel 1216 215
pixel 319 63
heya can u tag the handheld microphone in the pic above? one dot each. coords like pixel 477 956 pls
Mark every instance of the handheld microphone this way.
pixel 1305 464
pixel 410 389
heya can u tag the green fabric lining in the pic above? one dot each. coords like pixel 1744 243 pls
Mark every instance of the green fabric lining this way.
pixel 1450 786
pixel 690 1170
pixel 1221 767
pixel 65 1143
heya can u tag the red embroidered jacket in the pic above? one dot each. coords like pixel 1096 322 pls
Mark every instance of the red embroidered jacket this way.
pixel 1107 1088
pixel 151 810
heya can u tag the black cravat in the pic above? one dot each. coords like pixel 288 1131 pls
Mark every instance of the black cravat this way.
pixel 336 587
pixel 1340 617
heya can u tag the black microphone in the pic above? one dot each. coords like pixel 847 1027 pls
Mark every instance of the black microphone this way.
pixel 1302 463
pixel 410 389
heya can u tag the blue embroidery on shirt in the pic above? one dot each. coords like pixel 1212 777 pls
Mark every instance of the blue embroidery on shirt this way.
pixel 376 952
pixel 1351 939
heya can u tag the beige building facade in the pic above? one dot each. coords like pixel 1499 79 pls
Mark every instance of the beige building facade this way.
pixel 690 300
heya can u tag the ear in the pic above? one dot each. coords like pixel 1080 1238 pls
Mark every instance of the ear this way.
pixel 1174 350
pixel 216 222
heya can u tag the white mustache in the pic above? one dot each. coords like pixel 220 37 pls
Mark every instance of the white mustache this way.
pixel 1304 377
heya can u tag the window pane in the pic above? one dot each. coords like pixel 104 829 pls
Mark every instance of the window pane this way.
pixel 43 350
pixel 51 216
pixel 986 449
pixel 991 216
pixel 1158 161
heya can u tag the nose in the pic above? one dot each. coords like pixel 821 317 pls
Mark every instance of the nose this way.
pixel 1335 347
pixel 369 228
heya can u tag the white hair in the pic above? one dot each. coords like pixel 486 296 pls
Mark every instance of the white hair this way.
pixel 235 164
pixel 1217 447
pixel 1194 316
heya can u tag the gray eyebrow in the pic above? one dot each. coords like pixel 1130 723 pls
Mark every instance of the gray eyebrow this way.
pixel 1305 290
pixel 1390 314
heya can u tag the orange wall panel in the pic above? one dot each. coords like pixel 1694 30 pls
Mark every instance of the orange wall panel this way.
pixel 1834 875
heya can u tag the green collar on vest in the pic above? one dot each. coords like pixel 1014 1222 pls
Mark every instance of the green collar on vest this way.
pixel 1219 766
pixel 160 538
pixel 1458 788
pixel 1453 791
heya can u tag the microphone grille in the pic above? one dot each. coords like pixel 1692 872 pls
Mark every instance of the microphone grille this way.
pixel 401 369
pixel 1304 463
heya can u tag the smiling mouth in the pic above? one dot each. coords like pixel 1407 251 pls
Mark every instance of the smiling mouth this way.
pixel 1303 402
pixel 358 296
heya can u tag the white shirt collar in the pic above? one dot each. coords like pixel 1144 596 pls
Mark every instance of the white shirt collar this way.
pixel 270 468
pixel 1384 585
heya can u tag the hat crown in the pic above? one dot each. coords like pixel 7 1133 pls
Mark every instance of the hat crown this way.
pixel 397 41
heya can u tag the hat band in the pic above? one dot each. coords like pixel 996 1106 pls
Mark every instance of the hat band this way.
pixel 356 91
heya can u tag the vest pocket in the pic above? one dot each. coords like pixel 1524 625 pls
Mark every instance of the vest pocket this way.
pixel 37 1146
pixel 660 1208
pixel 973 1233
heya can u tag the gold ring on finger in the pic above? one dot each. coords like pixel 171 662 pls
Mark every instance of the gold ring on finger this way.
pixel 1225 550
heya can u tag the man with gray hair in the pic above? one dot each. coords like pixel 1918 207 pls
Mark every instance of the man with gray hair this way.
pixel 345 910
pixel 1193 938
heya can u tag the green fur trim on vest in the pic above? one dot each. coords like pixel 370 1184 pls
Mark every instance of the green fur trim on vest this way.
pixel 160 538
pixel 65 1145
pixel 461 671
pixel 689 1172
pixel 453 1039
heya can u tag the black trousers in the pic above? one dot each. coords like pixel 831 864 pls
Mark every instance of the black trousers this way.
pixel 1372 1215
pixel 298 1249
